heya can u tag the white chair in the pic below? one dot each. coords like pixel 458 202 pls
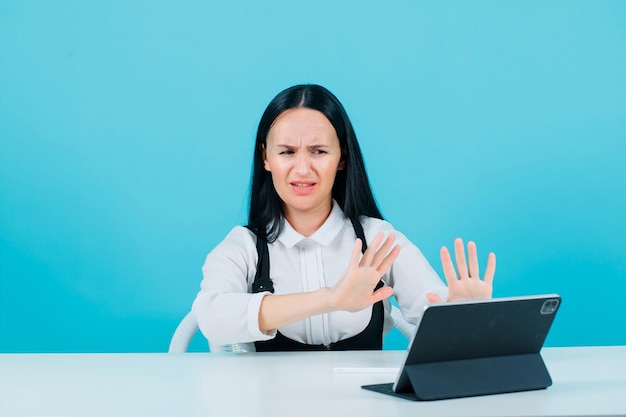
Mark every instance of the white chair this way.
pixel 186 330
pixel 407 329
pixel 183 334
pixel 188 327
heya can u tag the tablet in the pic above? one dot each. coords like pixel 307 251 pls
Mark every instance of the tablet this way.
pixel 463 349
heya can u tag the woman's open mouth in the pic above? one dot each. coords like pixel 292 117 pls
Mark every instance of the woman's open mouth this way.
pixel 302 188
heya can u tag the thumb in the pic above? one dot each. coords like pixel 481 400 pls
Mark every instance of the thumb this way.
pixel 433 298
pixel 382 294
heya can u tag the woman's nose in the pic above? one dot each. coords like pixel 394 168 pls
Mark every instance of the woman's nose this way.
pixel 303 163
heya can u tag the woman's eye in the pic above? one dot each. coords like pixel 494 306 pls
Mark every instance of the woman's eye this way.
pixel 286 152
pixel 319 152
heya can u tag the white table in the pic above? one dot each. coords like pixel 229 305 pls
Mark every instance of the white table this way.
pixel 587 381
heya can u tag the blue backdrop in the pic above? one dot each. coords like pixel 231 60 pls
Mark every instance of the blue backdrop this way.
pixel 126 132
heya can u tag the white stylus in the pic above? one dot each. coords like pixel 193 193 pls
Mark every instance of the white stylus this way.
pixel 366 370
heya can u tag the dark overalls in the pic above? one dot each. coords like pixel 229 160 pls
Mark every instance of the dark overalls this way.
pixel 371 338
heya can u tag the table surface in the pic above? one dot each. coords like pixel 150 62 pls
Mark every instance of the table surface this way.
pixel 586 381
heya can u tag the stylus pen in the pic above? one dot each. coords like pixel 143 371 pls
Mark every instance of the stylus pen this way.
pixel 366 370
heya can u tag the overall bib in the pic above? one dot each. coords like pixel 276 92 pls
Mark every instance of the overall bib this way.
pixel 371 338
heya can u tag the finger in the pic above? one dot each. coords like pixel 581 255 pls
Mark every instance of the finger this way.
pixel 433 298
pixel 356 253
pixel 448 267
pixel 459 253
pixel 383 251
pixel 490 271
pixel 371 250
pixel 472 259
pixel 388 261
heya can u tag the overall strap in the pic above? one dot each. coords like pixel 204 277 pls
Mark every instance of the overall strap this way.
pixel 262 281
pixel 358 229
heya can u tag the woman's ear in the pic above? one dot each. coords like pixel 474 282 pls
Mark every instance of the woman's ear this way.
pixel 266 165
pixel 342 162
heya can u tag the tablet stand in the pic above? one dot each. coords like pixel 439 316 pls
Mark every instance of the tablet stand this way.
pixel 479 376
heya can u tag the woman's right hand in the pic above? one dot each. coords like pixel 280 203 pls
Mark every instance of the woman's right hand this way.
pixel 355 291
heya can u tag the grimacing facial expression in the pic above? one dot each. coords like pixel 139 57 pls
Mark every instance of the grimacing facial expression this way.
pixel 303 154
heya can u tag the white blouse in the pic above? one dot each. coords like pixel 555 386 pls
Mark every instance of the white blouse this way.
pixel 228 313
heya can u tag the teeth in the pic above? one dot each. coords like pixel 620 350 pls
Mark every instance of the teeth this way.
pixel 303 185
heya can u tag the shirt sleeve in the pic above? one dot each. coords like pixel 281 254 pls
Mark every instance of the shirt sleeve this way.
pixel 225 309
pixel 410 276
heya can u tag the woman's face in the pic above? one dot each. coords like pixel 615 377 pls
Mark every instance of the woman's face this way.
pixel 303 154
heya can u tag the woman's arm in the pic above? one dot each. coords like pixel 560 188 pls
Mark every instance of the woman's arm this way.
pixel 224 308
pixel 354 292
pixel 227 312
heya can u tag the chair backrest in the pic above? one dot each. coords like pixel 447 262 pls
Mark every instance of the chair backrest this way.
pixel 183 334
pixel 186 330
pixel 188 327
pixel 399 322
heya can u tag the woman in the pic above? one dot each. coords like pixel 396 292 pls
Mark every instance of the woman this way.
pixel 317 263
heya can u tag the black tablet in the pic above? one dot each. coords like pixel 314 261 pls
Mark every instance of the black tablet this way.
pixel 463 349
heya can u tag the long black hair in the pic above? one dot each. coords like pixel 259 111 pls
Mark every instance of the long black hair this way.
pixel 351 189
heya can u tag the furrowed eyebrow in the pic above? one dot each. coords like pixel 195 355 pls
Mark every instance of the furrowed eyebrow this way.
pixel 285 146
pixel 282 146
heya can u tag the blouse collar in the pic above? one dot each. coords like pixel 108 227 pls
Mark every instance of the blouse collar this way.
pixel 324 235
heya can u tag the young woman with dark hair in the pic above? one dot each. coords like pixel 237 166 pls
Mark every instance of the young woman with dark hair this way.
pixel 351 189
pixel 334 260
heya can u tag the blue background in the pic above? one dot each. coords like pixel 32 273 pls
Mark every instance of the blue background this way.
pixel 126 132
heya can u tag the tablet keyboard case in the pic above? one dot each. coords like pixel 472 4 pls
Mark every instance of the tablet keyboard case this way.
pixel 470 349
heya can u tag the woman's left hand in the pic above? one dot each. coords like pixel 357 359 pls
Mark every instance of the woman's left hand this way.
pixel 466 285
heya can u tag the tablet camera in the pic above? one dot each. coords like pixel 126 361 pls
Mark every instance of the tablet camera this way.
pixel 549 306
